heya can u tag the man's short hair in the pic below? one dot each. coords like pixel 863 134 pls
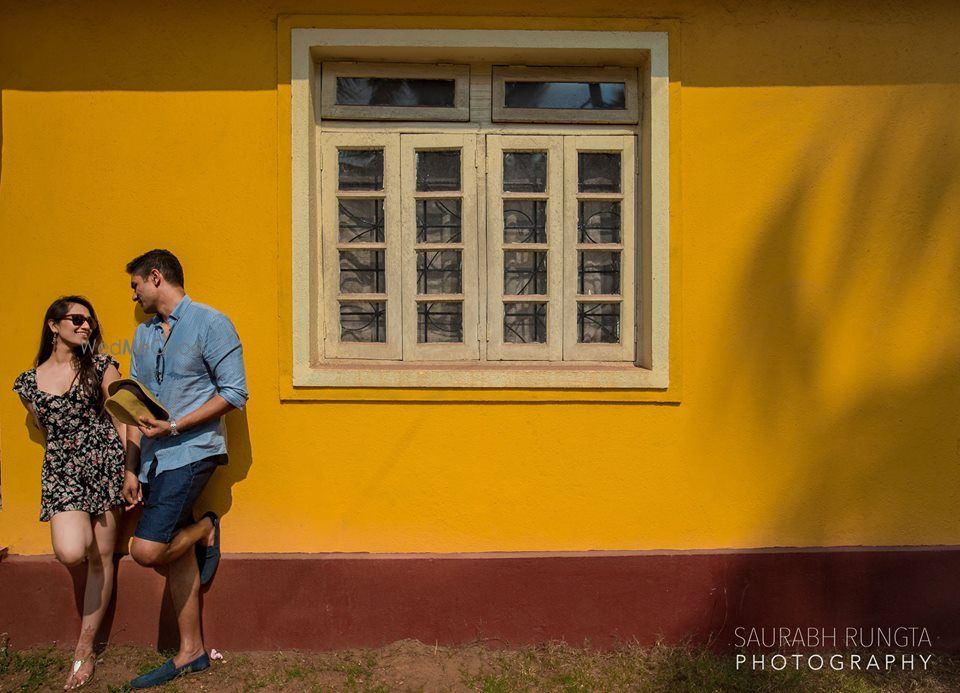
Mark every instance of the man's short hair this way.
pixel 161 260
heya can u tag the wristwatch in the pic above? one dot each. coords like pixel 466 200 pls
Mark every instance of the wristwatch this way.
pixel 173 428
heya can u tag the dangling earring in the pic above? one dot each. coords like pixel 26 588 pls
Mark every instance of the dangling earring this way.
pixel 53 340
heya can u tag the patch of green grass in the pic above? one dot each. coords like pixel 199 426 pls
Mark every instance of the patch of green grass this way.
pixel 33 668
pixel 155 660
pixel 358 668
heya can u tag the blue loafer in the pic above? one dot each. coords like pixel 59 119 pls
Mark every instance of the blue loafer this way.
pixel 208 557
pixel 168 671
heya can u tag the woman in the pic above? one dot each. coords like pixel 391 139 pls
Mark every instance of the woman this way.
pixel 83 465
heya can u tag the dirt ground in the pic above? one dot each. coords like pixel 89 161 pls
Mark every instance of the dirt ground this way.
pixel 409 665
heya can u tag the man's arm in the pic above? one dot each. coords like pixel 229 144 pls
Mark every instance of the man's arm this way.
pixel 213 408
pixel 223 355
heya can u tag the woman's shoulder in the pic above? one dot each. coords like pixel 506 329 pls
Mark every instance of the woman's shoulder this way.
pixel 102 361
pixel 25 383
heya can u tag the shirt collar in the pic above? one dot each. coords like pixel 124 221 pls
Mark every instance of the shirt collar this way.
pixel 177 312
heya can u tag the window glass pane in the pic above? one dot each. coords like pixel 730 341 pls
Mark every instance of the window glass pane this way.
pixel 361 169
pixel 576 95
pixel 524 171
pixel 361 221
pixel 599 172
pixel 524 273
pixel 438 221
pixel 525 323
pixel 524 221
pixel 598 272
pixel 598 222
pixel 438 170
pixel 380 91
pixel 598 322
pixel 363 322
pixel 440 322
pixel 362 272
pixel 438 272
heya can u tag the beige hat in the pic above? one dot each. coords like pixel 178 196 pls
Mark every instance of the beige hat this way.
pixel 129 400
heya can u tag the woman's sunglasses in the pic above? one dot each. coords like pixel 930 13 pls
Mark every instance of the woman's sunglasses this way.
pixel 78 320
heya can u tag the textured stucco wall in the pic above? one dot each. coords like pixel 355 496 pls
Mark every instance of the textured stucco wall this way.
pixel 815 226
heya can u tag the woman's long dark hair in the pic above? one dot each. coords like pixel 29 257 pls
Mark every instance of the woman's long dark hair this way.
pixel 84 354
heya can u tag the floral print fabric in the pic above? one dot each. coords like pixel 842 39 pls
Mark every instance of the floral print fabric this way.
pixel 83 463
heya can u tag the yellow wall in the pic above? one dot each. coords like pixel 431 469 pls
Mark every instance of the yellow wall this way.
pixel 815 221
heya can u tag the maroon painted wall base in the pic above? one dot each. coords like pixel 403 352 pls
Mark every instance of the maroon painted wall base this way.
pixel 330 601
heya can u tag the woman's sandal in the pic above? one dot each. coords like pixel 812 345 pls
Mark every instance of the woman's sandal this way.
pixel 77 663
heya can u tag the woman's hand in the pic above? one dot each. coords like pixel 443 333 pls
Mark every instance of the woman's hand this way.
pixel 131 490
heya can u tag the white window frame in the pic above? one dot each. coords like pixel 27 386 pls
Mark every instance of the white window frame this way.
pixel 650 370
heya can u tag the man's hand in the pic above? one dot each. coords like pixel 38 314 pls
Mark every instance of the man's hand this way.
pixel 154 428
pixel 131 490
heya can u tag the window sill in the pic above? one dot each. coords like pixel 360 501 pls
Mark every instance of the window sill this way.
pixel 362 380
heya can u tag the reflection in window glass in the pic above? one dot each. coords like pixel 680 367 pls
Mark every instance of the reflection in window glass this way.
pixel 524 221
pixel 440 322
pixel 438 221
pixel 571 95
pixel 524 273
pixel 362 272
pixel 598 172
pixel 360 169
pixel 380 91
pixel 363 322
pixel 438 170
pixel 361 221
pixel 598 322
pixel 524 171
pixel 525 323
pixel 439 272
pixel 598 221
pixel 598 272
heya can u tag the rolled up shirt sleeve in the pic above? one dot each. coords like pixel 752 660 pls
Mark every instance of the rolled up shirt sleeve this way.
pixel 223 354
pixel 134 371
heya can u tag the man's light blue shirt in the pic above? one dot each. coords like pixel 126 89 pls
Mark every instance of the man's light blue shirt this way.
pixel 202 357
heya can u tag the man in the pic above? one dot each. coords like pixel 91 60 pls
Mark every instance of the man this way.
pixel 189 356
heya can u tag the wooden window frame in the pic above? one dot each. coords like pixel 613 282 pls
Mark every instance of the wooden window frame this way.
pixel 330 71
pixel 331 144
pixel 469 349
pixel 306 372
pixel 626 349
pixel 497 348
pixel 502 74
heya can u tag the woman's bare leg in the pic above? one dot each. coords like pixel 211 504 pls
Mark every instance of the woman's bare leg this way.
pixel 72 536
pixel 100 538
pixel 96 595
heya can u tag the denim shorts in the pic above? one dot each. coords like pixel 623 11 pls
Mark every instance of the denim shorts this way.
pixel 168 498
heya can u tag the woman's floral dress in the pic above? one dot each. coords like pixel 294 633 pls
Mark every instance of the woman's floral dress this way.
pixel 83 464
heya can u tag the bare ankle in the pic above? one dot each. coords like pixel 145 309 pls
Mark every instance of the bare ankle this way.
pixel 186 656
